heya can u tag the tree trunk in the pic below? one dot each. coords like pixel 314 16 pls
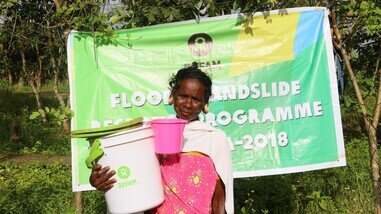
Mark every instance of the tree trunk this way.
pixel 8 70
pixel 10 78
pixel 35 81
pixel 38 76
pixel 56 83
pixel 376 117
pixel 370 128
pixel 36 91
pixel 23 70
pixel 15 130
pixel 56 66
pixel 58 3
pixel 377 109
pixel 66 122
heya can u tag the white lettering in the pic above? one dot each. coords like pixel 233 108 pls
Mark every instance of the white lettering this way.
pixel 239 117
pixel 302 110
pixel 283 113
pixel 295 87
pixel 125 103
pixel 318 109
pixel 229 92
pixel 253 116
pixel 243 92
pixel 284 88
pixel 267 115
pixel 114 100
pixel 138 98
pixel 264 91
pixel 254 89
pixel 154 98
pixel 224 118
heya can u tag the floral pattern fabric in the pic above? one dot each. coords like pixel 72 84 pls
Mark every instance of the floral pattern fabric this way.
pixel 189 181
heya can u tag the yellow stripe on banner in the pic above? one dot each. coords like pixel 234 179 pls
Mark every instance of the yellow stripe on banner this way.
pixel 264 42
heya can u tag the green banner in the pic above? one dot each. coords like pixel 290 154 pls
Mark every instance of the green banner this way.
pixel 274 86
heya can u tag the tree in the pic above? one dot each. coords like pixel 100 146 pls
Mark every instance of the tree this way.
pixel 359 32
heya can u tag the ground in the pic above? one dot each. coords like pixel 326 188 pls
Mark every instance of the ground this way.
pixel 34 158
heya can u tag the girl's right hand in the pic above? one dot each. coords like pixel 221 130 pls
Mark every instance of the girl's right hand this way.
pixel 100 178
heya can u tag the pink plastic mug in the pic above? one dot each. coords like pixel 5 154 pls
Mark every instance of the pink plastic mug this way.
pixel 168 135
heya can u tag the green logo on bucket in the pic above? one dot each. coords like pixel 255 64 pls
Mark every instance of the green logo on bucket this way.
pixel 123 172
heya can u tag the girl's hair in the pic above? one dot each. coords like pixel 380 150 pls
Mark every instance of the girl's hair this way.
pixel 191 72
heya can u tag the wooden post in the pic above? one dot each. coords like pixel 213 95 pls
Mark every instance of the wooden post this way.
pixel 78 201
pixel 15 130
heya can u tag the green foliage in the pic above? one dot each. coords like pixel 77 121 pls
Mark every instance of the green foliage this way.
pixel 359 24
pixel 338 190
pixel 42 188
pixel 318 202
pixel 34 186
pixel 3 84
pixel 81 15
pixel 63 87
pixel 35 137
pixel 57 116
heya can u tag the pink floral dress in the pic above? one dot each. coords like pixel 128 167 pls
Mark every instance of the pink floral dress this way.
pixel 189 181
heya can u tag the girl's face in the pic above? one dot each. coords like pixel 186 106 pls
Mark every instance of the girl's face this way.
pixel 189 99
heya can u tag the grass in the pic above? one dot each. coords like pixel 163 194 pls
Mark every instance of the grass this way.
pixel 42 188
pixel 46 188
pixel 45 88
pixel 35 137
pixel 337 190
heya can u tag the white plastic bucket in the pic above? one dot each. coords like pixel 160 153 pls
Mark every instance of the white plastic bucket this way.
pixel 132 155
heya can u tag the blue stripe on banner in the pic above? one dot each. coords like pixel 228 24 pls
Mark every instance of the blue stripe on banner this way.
pixel 309 30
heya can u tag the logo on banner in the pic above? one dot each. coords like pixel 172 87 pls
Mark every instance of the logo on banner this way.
pixel 200 44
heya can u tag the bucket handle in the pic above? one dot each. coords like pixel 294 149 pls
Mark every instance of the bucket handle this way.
pixel 95 153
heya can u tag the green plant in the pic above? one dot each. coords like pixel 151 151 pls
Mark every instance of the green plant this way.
pixel 4 84
pixel 249 204
pixel 57 116
pixel 336 190
pixel 318 201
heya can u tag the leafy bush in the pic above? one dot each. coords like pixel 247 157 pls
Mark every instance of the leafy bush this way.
pixel 34 188
pixel 35 137
pixel 337 190
pixel 3 84
pixel 42 188
pixel 57 116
